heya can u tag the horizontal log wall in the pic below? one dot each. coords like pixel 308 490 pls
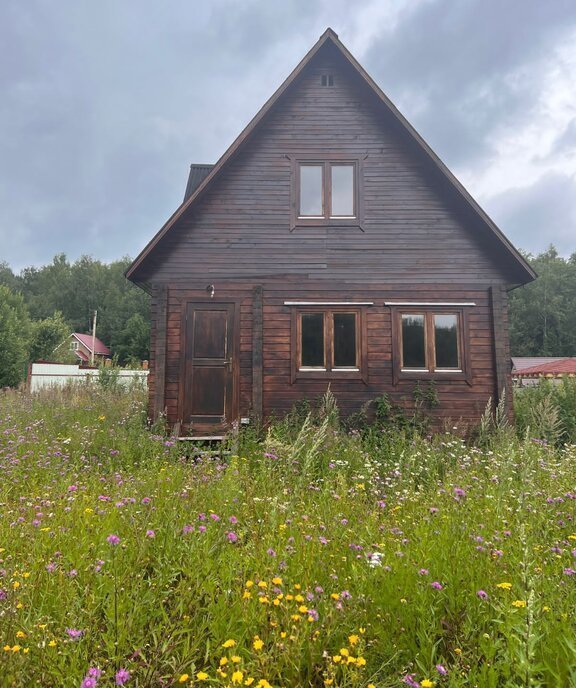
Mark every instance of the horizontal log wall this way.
pixel 414 224
pixel 459 401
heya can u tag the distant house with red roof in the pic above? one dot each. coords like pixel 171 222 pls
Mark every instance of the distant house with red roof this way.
pixel 82 345
pixel 549 368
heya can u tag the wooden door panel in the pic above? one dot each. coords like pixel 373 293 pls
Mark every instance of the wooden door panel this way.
pixel 209 334
pixel 208 392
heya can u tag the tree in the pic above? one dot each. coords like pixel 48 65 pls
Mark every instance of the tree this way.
pixel 133 342
pixel 46 335
pixel 543 313
pixel 14 337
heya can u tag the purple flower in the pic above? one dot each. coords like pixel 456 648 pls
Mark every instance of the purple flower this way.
pixel 146 500
pixel 437 586
pixel 113 539
pixel 232 537
pixel 88 682
pixel 187 529
pixel 72 488
pixel 410 680
pixel 122 675
pixel 201 529
pixel 423 572
pixel 441 670
pixel 270 552
pixel 150 534
pixel 459 493
pixel 233 520
pixel 569 572
pixel 74 633
pixel 215 517
pixel 3 594
pixel 313 614
pixel 94 672
pixel 482 594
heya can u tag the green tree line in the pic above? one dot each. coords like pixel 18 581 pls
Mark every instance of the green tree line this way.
pixel 40 307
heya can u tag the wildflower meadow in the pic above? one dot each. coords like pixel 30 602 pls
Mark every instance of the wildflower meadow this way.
pixel 306 556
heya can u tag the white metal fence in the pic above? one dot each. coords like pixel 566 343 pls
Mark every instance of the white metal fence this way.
pixel 44 375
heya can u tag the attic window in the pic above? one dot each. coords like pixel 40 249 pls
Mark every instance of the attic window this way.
pixel 327 80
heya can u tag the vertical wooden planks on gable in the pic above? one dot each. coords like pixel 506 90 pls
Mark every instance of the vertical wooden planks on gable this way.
pixel 257 351
pixel 161 298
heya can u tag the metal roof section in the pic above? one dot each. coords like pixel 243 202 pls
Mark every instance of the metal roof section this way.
pixel 198 174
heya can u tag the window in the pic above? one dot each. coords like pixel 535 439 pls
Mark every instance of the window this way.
pixel 327 341
pixel 430 343
pixel 326 192
pixel 73 345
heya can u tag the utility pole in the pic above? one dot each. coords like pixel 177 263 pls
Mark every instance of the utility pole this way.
pixel 93 338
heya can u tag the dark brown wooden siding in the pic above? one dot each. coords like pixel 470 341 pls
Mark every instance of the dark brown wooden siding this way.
pixel 460 401
pixel 413 228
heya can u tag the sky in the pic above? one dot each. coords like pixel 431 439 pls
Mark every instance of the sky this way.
pixel 104 105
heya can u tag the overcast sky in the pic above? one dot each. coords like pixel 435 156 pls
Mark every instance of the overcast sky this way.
pixel 103 105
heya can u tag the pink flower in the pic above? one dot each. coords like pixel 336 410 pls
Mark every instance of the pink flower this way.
pixel 482 594
pixel 232 537
pixel 113 539
pixel 437 586
pixel 150 534
pixel 122 675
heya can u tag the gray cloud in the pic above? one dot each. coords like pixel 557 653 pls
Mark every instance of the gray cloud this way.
pixel 475 66
pixel 536 216
pixel 104 105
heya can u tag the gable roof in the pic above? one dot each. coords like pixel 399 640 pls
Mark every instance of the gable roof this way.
pixel 524 272
pixel 562 366
pixel 520 363
pixel 100 349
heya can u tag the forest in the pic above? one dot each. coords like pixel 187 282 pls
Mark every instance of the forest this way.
pixel 40 307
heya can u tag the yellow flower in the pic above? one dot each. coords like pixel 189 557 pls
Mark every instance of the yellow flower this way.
pixel 229 643
pixel 262 584
pixel 247 595
pixel 101 418
pixel 371 685
pixel 276 602
pixel 328 681
pixel 16 648
pixel 257 644
pixel 295 617
pixel 52 643
pixel 235 659
pixel 183 678
pixel 26 575
pixel 263 683
pixel 249 583
pixel 19 605
pixel 303 609
pixel 41 626
pixel 283 634
pixel 15 585
pixel 361 661
pixel 223 661
pixel 277 581
pixel 337 659
pixel 427 683
pixel 249 681
pixel 7 648
pixel 504 586
pixel 457 651
pixel 344 652
pixel 237 677
pixel 289 598
pixel 351 660
pixel 353 639
pixel 202 676
pixel 545 608
pixel 335 596
pixel 26 650
pixel 263 600
pixel 519 603
pixel 297 586
pixel 20 634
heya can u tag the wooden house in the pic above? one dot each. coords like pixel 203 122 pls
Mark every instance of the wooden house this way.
pixel 329 245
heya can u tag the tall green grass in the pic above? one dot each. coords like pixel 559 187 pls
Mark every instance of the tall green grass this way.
pixel 311 557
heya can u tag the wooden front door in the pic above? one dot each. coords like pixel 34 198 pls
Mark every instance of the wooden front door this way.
pixel 208 394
